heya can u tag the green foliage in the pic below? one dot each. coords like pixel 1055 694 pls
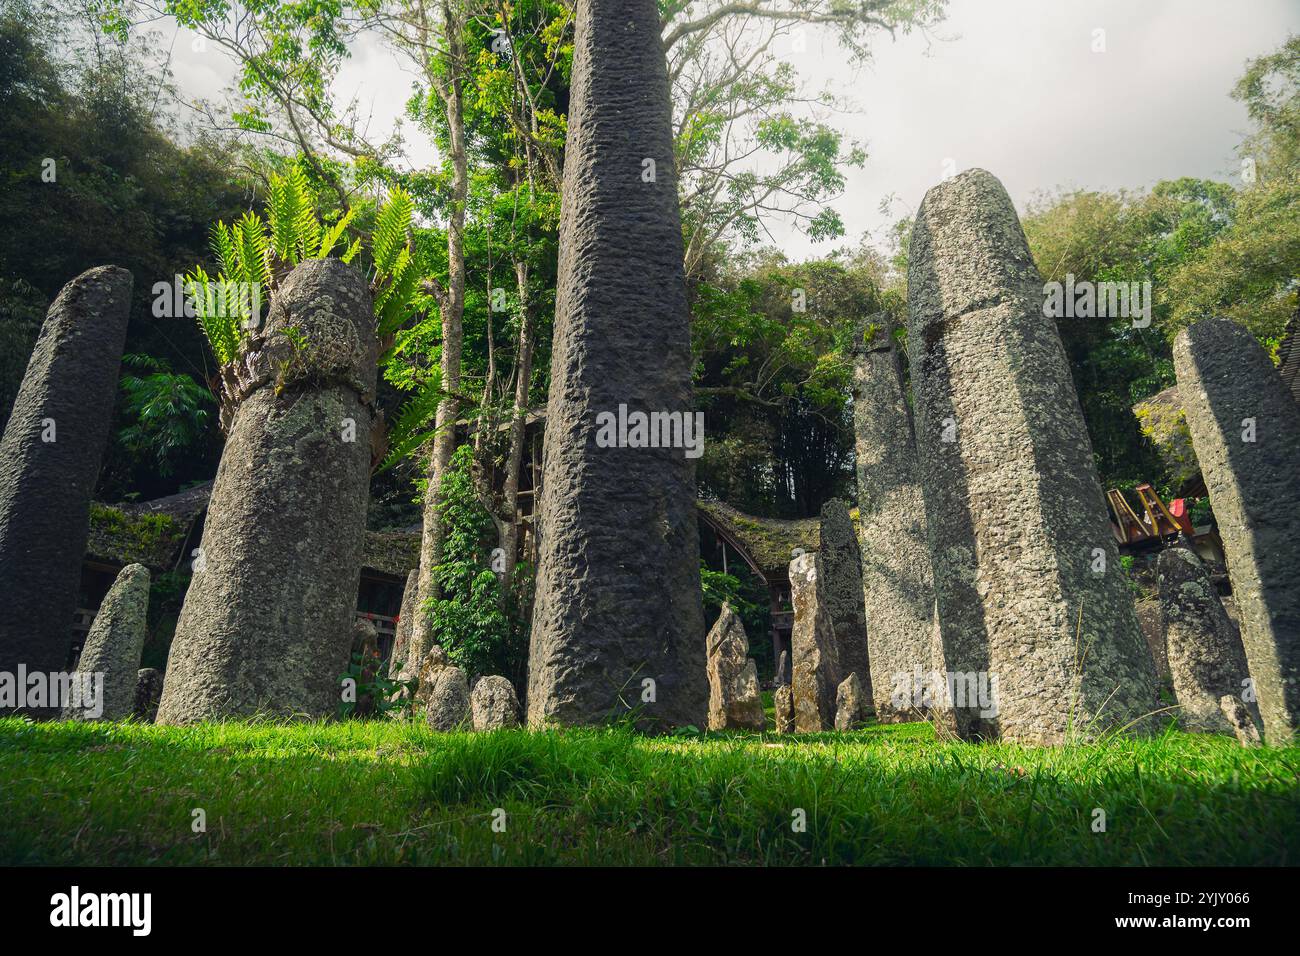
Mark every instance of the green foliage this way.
pixel 748 598
pixel 164 410
pixel 479 626
pixel 377 695
pixel 253 254
pixel 773 374
pixel 148 539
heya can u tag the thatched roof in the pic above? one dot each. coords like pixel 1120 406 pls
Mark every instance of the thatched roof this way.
pixel 769 542
pixel 1161 420
pixel 392 552
pixel 118 537
pixel 152 533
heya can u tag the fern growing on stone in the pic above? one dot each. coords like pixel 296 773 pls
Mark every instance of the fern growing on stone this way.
pixel 254 254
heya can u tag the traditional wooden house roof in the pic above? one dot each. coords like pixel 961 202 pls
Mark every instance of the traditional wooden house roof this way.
pixel 766 544
pixel 154 533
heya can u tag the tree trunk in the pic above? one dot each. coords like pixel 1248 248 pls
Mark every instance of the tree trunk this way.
pixel 518 430
pixel 452 308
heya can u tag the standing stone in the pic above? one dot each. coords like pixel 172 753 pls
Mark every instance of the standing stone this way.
pixel 897 580
pixel 399 668
pixel 618 623
pixel 148 691
pixel 49 463
pixel 1246 430
pixel 493 704
pixel 448 707
pixel 113 647
pixel 841 589
pixel 782 675
pixel 1239 718
pixel 1036 617
pixel 267 622
pixel 850 703
pixel 435 661
pixel 1206 659
pixel 783 705
pixel 815 674
pixel 735 702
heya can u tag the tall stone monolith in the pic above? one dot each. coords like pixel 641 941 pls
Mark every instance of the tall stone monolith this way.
pixel 815 666
pixel 1206 660
pixel 1245 428
pixel 897 580
pixel 618 623
pixel 267 622
pixel 840 562
pixel 111 654
pixel 49 463
pixel 735 702
pixel 1032 602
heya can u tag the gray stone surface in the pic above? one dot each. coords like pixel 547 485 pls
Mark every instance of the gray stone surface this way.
pixel 850 703
pixel 734 699
pixel 45 486
pixel 897 580
pixel 434 661
pixel 1226 379
pixel 1239 718
pixel 618 580
pixel 399 668
pixel 114 644
pixel 493 704
pixel 841 587
pixel 1014 505
pixel 815 671
pixel 783 705
pixel 448 700
pixel 148 691
pixel 1151 620
pixel 267 623
pixel 1206 659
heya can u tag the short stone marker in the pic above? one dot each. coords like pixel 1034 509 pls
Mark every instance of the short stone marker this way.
pixel 815 671
pixel 735 702
pixel 113 647
pixel 1206 659
pixel 493 704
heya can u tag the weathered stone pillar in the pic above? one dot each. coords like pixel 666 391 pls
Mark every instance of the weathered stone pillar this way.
pixel 735 702
pixel 840 562
pixel 618 622
pixel 49 463
pixel 1032 601
pixel 113 648
pixel 1204 650
pixel 1245 428
pixel 267 621
pixel 815 672
pixel 400 664
pixel 897 580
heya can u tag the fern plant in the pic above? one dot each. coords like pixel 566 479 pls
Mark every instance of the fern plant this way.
pixel 254 254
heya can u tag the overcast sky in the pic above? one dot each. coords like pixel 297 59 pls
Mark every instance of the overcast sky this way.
pixel 1013 86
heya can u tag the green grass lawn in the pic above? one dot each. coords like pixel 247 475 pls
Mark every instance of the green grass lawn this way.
pixel 387 792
